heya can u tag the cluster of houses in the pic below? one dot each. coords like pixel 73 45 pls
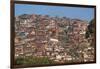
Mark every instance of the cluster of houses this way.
pixel 59 39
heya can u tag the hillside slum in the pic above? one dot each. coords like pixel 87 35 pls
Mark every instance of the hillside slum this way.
pixel 61 39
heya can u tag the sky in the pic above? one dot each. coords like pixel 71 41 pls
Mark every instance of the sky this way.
pixel 53 11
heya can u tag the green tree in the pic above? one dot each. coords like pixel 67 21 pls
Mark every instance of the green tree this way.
pixel 90 29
